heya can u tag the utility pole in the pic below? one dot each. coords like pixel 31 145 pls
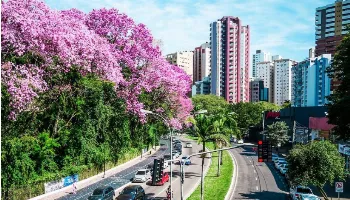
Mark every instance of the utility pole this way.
pixel 182 180
pixel 293 138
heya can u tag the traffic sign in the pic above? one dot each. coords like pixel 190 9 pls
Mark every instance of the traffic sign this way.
pixel 339 186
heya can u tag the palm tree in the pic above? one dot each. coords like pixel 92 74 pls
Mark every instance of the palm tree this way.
pixel 202 127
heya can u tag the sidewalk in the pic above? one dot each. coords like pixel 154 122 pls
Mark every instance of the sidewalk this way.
pixel 89 181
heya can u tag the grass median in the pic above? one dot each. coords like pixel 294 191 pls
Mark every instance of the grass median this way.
pixel 215 188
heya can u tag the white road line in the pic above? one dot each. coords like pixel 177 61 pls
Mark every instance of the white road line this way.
pixel 250 161
pixel 257 188
pixel 254 171
pixel 252 165
pixel 256 178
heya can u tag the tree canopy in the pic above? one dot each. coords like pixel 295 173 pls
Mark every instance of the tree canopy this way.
pixel 315 164
pixel 277 133
pixel 339 100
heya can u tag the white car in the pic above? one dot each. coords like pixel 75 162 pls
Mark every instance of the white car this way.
pixel 279 160
pixel 142 175
pixel 280 164
pixel 283 170
pixel 296 192
pixel 240 142
pixel 188 145
pixel 308 197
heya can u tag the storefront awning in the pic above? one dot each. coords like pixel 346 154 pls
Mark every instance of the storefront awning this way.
pixel 320 123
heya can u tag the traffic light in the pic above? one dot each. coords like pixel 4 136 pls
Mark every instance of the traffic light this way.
pixel 161 168
pixel 264 151
pixel 156 170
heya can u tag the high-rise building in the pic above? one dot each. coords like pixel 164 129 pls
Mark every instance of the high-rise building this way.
pixel 311 84
pixel 201 62
pixel 276 57
pixel 201 87
pixel 282 81
pixel 331 21
pixel 257 91
pixel 229 44
pixel 259 56
pixel 183 59
pixel 265 72
pixel 312 52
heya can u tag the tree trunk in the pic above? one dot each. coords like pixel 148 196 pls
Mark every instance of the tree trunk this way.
pixel 219 155
pixel 322 192
pixel 202 176
pixel 221 160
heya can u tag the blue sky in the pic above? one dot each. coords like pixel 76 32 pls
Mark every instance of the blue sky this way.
pixel 277 26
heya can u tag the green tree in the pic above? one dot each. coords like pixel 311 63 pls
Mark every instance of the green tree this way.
pixel 213 104
pixel 277 133
pixel 250 114
pixel 315 164
pixel 287 104
pixel 338 108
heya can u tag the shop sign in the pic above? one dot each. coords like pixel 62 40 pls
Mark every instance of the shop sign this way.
pixel 272 115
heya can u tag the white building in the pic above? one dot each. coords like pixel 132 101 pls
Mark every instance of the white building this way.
pixel 259 56
pixel 276 57
pixel 265 71
pixel 201 62
pixel 183 59
pixel 282 81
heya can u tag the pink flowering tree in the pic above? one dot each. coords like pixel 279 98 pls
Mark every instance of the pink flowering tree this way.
pixel 38 43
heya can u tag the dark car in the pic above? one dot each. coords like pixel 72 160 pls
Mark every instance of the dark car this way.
pixel 150 167
pixel 132 192
pixel 105 193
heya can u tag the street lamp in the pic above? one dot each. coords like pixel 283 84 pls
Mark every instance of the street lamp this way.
pixel 171 145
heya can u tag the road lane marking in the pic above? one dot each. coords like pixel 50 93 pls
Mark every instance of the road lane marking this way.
pixel 256 178
pixel 257 188
pixel 252 165
pixel 254 171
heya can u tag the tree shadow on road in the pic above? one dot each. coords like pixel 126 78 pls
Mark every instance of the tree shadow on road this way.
pixel 279 179
pixel 264 195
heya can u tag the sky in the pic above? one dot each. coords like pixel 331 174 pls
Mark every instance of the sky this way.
pixel 283 27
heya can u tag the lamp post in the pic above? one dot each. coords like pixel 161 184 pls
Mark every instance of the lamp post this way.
pixel 171 143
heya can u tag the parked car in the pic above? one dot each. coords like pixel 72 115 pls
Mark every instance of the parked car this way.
pixel 274 157
pixel 283 171
pixel 150 167
pixel 102 193
pixel 188 145
pixel 240 141
pixel 185 160
pixel 279 160
pixel 280 163
pixel 175 154
pixel 142 175
pixel 295 192
pixel 132 192
pixel 179 150
pixel 164 179
pixel 308 197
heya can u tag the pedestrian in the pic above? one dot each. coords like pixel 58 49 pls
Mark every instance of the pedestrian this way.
pixel 74 188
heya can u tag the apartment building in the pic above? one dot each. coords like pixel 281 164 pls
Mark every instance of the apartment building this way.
pixel 265 72
pixel 201 62
pixel 183 59
pixel 282 80
pixel 330 26
pixel 229 44
pixel 311 84
pixel 201 87
pixel 257 91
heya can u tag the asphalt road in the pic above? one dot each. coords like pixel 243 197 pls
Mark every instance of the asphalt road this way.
pixel 192 175
pixel 257 180
pixel 118 179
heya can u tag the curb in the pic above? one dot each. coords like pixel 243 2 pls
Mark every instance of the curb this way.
pixel 199 181
pixel 97 177
pixel 233 184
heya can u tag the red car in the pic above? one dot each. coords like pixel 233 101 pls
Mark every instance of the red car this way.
pixel 164 179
